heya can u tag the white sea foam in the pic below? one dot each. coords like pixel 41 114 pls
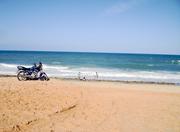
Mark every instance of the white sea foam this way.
pixel 8 65
pixel 175 61
pixel 9 69
pixel 150 64
pixel 100 73
pixel 55 67
pixel 56 62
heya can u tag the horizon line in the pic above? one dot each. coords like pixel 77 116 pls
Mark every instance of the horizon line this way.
pixel 100 52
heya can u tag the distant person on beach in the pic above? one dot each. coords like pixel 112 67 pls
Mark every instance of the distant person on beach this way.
pixel 84 79
pixel 96 75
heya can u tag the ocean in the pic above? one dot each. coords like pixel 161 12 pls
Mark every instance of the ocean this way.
pixel 97 66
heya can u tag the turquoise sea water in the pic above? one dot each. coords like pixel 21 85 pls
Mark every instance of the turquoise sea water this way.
pixel 101 66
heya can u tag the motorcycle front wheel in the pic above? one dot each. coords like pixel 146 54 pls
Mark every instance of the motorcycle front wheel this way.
pixel 44 77
pixel 21 76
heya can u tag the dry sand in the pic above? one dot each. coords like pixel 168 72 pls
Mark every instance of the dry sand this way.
pixel 82 106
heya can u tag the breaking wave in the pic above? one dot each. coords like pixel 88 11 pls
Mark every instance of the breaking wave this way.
pixel 100 73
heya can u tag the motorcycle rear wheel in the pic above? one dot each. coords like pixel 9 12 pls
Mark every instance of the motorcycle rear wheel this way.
pixel 21 76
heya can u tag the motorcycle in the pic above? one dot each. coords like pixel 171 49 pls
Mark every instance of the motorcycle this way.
pixel 33 73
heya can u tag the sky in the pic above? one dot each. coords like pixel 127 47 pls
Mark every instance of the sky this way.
pixel 122 26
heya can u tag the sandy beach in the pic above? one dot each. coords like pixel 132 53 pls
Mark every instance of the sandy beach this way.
pixel 88 106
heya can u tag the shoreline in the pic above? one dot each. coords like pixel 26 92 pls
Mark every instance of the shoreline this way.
pixel 96 80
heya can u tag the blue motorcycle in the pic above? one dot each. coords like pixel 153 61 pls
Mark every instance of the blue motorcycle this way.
pixel 33 73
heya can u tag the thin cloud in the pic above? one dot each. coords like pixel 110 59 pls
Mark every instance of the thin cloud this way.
pixel 121 7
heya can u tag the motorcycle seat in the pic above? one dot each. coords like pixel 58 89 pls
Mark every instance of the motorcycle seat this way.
pixel 22 68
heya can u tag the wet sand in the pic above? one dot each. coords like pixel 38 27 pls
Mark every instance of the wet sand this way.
pixel 88 106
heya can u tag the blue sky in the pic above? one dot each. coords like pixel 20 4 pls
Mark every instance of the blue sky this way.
pixel 124 26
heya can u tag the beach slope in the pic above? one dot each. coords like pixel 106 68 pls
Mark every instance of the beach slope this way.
pixel 75 106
